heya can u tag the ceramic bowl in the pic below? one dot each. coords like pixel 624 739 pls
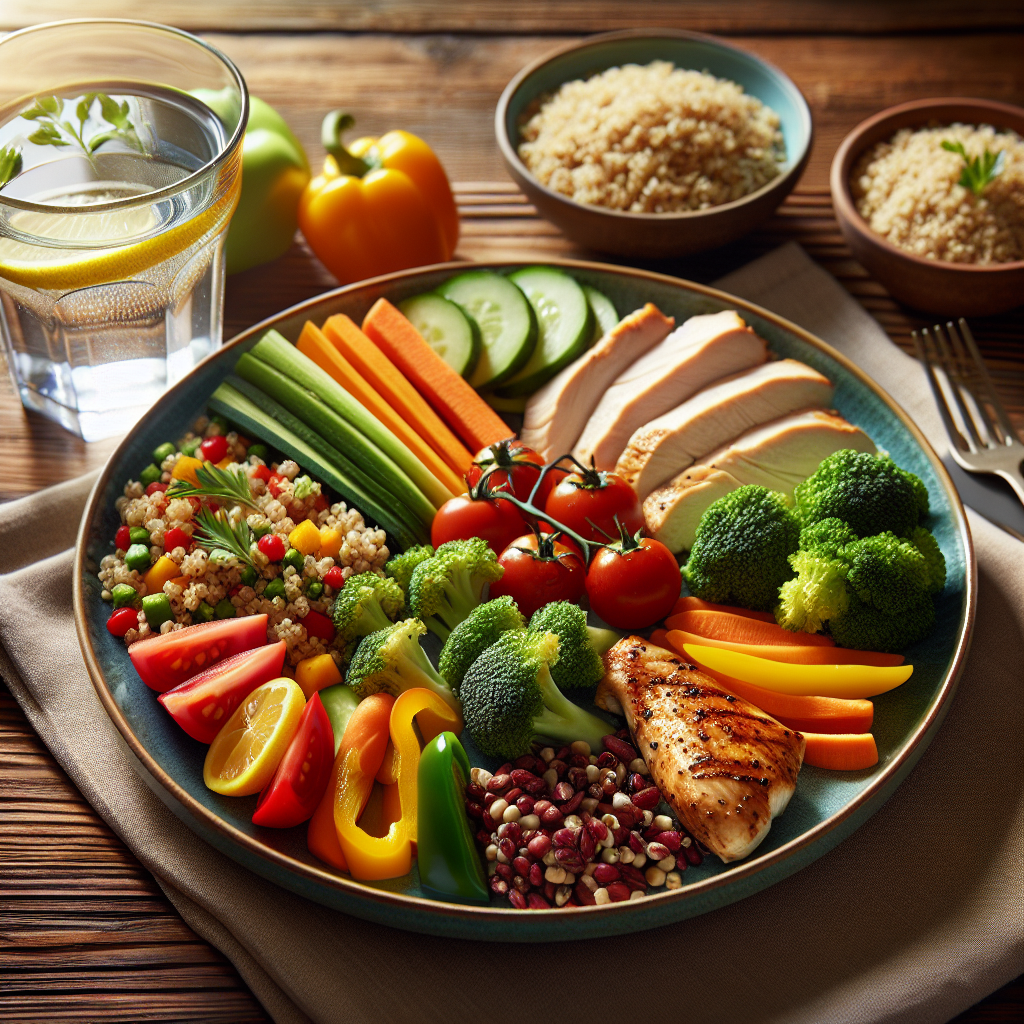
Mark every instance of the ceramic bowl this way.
pixel 933 286
pixel 655 235
pixel 826 807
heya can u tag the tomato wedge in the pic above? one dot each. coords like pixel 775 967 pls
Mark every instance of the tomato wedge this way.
pixel 202 704
pixel 301 778
pixel 169 659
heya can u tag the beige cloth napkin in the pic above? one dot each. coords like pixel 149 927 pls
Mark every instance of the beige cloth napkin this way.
pixel 912 919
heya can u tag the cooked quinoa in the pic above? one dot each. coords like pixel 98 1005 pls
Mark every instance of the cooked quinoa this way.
pixel 362 549
pixel 653 139
pixel 908 191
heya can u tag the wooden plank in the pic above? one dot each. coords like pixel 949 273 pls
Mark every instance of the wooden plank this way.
pixel 535 16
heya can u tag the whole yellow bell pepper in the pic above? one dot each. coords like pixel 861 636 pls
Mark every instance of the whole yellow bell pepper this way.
pixel 849 682
pixel 380 205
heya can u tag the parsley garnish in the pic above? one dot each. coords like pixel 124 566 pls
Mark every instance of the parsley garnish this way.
pixel 54 130
pixel 226 484
pixel 10 164
pixel 216 533
pixel 977 173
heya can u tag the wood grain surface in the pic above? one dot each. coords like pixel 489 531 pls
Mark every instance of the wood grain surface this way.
pixel 85 933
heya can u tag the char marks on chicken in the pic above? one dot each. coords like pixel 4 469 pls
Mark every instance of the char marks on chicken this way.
pixel 725 767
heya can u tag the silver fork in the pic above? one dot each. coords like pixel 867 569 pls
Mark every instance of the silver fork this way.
pixel 982 439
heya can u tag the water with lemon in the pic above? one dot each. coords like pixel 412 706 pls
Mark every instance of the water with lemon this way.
pixel 111 275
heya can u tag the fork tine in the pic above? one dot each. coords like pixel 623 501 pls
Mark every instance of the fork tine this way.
pixel 957 387
pixel 979 364
pixel 965 372
pixel 921 343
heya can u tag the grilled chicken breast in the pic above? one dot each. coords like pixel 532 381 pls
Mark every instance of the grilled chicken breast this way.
pixel 557 413
pixel 777 455
pixel 704 349
pixel 724 766
pixel 718 414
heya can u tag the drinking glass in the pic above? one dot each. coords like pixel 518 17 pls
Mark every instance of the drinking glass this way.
pixel 122 144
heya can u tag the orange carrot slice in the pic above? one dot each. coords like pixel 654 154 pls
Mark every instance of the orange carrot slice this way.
pixel 843 753
pixel 391 384
pixel 697 604
pixel 742 630
pixel 452 398
pixel 659 638
pixel 792 655
pixel 314 344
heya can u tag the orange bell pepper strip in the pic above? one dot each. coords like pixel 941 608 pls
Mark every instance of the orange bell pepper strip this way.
pixel 380 205
pixel 367 731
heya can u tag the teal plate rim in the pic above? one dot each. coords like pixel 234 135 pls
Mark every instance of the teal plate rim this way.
pixel 492 923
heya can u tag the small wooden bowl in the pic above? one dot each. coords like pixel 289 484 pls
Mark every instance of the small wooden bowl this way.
pixel 655 235
pixel 933 286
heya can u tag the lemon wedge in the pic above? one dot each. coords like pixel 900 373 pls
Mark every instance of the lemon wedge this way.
pixel 242 758
pixel 56 269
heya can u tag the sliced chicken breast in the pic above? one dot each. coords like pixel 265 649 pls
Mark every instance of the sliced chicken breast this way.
pixel 669 444
pixel 704 349
pixel 557 413
pixel 778 455
pixel 724 766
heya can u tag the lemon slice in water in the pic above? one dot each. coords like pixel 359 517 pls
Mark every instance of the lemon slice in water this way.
pixel 55 269
pixel 242 758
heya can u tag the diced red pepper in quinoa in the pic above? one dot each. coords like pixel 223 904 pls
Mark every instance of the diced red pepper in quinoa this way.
pixel 122 620
pixel 334 577
pixel 318 625
pixel 213 449
pixel 123 538
pixel 155 486
pixel 272 546
pixel 176 538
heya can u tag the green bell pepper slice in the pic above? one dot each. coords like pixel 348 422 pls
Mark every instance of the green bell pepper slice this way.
pixel 450 867
pixel 274 173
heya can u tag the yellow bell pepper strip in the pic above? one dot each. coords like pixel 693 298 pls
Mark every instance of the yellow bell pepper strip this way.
pixel 366 733
pixel 317 673
pixel 449 864
pixel 433 715
pixel 380 205
pixel 849 682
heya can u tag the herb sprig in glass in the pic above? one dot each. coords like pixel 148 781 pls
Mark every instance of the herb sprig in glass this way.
pixel 10 164
pixel 977 172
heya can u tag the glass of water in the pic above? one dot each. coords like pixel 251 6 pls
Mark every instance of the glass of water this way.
pixel 120 167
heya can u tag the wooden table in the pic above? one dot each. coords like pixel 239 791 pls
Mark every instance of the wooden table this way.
pixel 86 934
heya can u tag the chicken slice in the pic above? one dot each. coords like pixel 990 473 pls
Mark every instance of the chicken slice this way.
pixel 705 348
pixel 667 445
pixel 778 455
pixel 557 413
pixel 724 766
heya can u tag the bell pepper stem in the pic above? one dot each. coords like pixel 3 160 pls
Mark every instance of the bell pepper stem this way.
pixel 336 123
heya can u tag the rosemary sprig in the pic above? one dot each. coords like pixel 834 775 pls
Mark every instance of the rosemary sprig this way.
pixel 226 484
pixel 55 130
pixel 216 533
pixel 977 173
pixel 10 163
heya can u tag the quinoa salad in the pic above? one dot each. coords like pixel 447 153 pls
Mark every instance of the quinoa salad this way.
pixel 653 139
pixel 168 573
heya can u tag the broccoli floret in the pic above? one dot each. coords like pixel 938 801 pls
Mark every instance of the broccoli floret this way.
pixel 474 634
pixel 366 603
pixel 401 567
pixel 509 698
pixel 826 538
pixel 741 554
pixel 870 493
pixel 391 660
pixel 446 587
pixel 872 593
pixel 579 646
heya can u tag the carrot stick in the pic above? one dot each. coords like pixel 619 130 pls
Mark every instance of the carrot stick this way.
pixel 793 655
pixel 739 629
pixel 367 729
pixel 472 419
pixel 389 382
pixel 312 343
pixel 660 639
pixel 843 753
pixel 697 604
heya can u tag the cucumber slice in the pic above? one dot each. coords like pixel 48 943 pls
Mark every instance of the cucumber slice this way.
pixel 566 325
pixel 446 329
pixel 508 328
pixel 513 405
pixel 603 309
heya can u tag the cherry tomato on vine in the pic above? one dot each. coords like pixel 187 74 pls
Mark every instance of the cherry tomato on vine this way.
pixel 511 463
pixel 461 518
pixel 538 571
pixel 605 499
pixel 633 583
